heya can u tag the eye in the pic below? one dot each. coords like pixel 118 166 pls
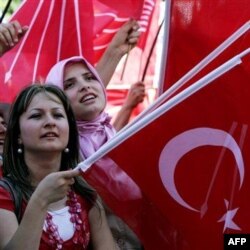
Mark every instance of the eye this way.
pixel 58 115
pixel 35 116
pixel 68 84
pixel 90 77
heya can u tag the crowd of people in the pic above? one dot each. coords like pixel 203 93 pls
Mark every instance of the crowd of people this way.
pixel 51 127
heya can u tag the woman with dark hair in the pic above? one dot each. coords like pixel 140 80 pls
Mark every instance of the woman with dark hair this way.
pixel 59 209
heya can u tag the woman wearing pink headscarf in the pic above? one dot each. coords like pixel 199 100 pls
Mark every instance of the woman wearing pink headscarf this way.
pixel 86 92
pixel 83 86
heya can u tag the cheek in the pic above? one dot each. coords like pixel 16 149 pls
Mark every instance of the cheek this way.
pixel 102 95
pixel 72 96
pixel 103 101
pixel 27 129
pixel 65 131
pixel 27 134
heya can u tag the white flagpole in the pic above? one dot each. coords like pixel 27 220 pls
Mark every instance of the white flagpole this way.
pixel 204 81
pixel 242 30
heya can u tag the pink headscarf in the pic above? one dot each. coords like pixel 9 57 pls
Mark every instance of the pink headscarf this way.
pixel 92 134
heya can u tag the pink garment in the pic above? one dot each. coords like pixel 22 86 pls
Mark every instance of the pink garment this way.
pixel 92 134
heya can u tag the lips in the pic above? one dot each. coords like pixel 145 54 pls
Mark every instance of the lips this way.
pixel 49 135
pixel 87 97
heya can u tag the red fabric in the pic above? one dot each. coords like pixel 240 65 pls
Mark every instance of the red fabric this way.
pixel 58 31
pixel 7 203
pixel 209 183
pixel 130 203
pixel 42 47
pixel 111 15
pixel 185 163
pixel 197 28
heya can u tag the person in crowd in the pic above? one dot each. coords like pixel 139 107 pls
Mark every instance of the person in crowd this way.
pixel 59 209
pixel 87 94
pixel 85 86
pixel 123 41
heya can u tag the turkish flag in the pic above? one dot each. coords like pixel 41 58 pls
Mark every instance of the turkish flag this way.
pixel 190 165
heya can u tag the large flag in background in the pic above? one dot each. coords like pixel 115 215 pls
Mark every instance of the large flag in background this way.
pixel 199 27
pixel 193 167
pixel 57 29
pixel 190 166
pixel 60 29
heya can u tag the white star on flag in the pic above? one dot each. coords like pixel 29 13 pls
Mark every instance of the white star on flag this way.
pixel 228 218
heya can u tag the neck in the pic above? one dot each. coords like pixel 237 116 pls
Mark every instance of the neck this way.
pixel 41 165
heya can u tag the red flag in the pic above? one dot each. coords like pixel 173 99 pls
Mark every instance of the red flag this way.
pixel 196 29
pixel 111 15
pixel 60 29
pixel 193 167
pixel 57 29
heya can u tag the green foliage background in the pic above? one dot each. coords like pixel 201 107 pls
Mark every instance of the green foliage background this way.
pixel 13 6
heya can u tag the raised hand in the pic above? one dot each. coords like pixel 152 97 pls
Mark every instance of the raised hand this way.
pixel 10 35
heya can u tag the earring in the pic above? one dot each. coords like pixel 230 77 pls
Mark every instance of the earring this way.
pixel 19 151
pixel 66 150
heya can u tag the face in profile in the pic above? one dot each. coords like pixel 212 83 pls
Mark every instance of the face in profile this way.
pixel 2 133
pixel 44 125
pixel 84 91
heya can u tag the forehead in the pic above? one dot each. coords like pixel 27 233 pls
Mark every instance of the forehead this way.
pixel 44 100
pixel 73 68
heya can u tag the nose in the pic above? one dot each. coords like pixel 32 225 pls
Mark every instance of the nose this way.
pixel 83 85
pixel 50 121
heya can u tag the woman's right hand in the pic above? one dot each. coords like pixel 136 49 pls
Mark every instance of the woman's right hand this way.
pixel 55 186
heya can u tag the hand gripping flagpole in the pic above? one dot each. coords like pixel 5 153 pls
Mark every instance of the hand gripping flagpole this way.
pixel 236 35
pixel 172 102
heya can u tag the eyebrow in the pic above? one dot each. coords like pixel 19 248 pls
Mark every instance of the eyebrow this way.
pixel 84 74
pixel 40 109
